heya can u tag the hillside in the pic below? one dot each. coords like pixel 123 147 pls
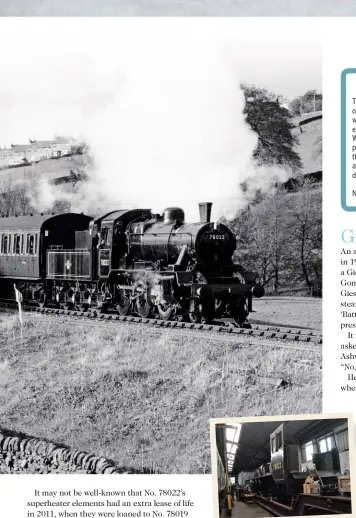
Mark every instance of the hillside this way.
pixel 310 145
pixel 309 141
pixel 50 169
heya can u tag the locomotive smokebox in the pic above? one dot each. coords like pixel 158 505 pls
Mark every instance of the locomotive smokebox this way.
pixel 205 211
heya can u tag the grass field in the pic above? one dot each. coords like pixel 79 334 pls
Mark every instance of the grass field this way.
pixel 305 312
pixel 140 396
pixel 45 169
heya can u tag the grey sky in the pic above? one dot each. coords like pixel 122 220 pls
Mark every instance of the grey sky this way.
pixel 177 7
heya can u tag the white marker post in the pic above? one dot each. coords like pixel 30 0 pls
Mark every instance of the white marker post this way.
pixel 18 296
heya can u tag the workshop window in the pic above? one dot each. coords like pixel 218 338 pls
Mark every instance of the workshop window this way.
pixel 307 452
pixel 326 444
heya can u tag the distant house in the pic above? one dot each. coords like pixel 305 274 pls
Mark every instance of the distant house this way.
pixel 35 151
pixel 13 156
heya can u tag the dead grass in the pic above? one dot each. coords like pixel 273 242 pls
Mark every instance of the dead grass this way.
pixel 139 396
pixel 303 312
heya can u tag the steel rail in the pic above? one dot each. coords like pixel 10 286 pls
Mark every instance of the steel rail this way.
pixel 262 331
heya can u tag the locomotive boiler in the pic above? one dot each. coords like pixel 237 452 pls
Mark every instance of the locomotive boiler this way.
pixel 133 262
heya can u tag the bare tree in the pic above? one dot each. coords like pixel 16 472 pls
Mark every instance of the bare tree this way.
pixel 304 211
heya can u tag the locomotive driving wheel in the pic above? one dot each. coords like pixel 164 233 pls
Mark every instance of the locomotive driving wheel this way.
pixel 122 303
pixel 144 304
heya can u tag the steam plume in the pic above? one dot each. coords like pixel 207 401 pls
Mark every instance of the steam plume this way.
pixel 163 119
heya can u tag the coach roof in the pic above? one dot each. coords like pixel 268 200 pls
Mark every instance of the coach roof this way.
pixel 36 222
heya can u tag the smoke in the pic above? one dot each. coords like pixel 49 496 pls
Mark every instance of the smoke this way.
pixel 164 122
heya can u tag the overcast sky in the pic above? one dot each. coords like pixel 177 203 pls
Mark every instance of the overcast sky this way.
pixel 177 7
pixel 56 71
pixel 153 97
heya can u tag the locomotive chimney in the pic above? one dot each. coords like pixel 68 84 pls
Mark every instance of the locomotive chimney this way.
pixel 205 211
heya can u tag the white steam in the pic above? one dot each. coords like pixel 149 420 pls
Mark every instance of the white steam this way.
pixel 164 122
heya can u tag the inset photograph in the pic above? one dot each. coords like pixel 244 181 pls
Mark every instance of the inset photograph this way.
pixel 282 466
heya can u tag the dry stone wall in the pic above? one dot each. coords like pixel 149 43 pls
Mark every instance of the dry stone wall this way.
pixel 20 453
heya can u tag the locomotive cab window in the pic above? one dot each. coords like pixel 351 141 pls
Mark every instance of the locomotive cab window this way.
pixel 278 441
pixel 118 228
pixel 105 236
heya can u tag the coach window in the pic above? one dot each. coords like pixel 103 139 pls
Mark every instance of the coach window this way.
pixel 32 245
pixel 36 244
pixel 23 244
pixel 278 441
pixel 17 243
pixel 5 240
pixel 273 444
pixel 28 243
pixel 9 248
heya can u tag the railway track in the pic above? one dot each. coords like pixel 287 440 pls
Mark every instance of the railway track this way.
pixel 301 336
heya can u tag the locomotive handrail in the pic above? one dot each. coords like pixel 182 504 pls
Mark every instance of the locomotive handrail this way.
pixel 160 234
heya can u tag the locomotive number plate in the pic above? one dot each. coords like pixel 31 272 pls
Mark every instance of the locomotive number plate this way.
pixel 217 236
pixel 104 262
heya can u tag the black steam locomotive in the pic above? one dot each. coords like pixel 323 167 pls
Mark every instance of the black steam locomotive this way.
pixel 283 481
pixel 131 261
